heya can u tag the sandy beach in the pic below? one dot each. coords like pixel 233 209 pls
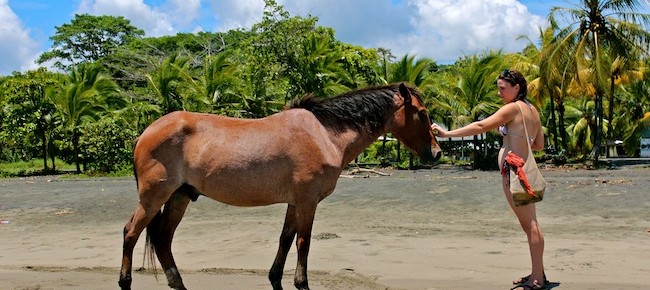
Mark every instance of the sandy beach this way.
pixel 441 228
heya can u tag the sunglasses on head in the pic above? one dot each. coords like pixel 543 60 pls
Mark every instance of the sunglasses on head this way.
pixel 506 74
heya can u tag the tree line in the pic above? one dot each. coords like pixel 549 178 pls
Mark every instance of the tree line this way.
pixel 587 76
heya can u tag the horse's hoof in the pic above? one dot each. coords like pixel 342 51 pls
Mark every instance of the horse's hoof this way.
pixel 125 284
pixel 177 286
pixel 277 285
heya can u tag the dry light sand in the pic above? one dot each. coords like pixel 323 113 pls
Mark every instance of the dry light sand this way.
pixel 444 228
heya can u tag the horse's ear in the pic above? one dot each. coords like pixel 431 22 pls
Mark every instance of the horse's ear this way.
pixel 405 93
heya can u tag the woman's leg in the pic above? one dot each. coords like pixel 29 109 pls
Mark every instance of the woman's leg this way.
pixel 527 216
pixel 528 220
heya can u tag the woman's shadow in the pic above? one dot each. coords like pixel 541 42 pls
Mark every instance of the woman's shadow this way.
pixel 551 285
pixel 547 286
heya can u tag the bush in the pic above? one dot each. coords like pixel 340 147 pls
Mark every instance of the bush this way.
pixel 107 146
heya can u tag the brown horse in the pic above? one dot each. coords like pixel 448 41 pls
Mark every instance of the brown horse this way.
pixel 293 157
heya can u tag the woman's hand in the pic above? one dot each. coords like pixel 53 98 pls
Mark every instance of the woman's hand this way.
pixel 438 130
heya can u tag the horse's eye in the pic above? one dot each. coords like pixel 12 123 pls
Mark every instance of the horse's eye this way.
pixel 423 117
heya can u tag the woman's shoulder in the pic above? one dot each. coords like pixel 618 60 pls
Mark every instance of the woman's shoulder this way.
pixel 505 114
pixel 510 109
pixel 523 105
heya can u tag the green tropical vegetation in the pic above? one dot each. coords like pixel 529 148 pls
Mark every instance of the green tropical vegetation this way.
pixel 588 75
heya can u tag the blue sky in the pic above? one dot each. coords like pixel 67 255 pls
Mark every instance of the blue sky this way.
pixel 439 29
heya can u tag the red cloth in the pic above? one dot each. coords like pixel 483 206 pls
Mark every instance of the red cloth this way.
pixel 513 160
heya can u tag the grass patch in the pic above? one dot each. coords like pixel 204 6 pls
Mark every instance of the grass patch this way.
pixel 64 170
pixel 33 167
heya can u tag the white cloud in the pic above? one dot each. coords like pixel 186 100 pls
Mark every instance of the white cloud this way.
pixel 234 14
pixel 442 30
pixel 447 29
pixel 183 12
pixel 17 49
pixel 361 22
pixel 153 20
pixel 439 29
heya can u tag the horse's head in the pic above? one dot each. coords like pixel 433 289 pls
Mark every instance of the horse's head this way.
pixel 411 125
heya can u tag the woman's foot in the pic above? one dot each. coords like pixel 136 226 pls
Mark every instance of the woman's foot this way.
pixel 533 286
pixel 521 280
pixel 525 279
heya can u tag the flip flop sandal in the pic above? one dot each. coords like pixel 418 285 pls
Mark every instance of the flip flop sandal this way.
pixel 525 279
pixel 528 287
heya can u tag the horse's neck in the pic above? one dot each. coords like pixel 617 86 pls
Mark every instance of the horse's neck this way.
pixel 351 143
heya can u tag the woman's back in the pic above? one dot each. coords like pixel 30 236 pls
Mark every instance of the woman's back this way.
pixel 515 135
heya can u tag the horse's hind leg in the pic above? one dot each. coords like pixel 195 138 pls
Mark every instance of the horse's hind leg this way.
pixel 153 194
pixel 132 230
pixel 161 231
pixel 286 239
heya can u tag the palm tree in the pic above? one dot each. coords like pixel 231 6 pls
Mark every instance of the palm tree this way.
pixel 545 80
pixel 216 85
pixel 592 29
pixel 166 80
pixel 636 115
pixel 317 67
pixel 88 95
pixel 407 69
pixel 440 97
pixel 138 114
pixel 621 72
pixel 472 93
pixel 583 126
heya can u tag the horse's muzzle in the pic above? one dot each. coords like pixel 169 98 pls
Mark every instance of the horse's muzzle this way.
pixel 430 155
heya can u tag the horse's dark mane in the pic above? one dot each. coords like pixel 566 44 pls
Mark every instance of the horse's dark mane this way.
pixel 365 109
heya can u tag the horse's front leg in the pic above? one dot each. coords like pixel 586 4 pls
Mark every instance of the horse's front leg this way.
pixel 286 239
pixel 304 223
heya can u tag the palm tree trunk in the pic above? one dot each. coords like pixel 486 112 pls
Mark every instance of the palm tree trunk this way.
pixel 598 116
pixel 53 164
pixel 41 132
pixel 50 149
pixel 553 123
pixel 44 150
pixel 610 115
pixel 560 110
pixel 75 147
pixel 610 127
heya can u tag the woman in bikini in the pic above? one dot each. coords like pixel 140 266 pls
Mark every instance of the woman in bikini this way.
pixel 508 119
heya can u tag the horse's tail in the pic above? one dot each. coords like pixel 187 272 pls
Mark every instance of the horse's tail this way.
pixel 149 248
pixel 135 173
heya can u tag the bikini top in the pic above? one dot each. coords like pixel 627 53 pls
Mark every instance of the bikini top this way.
pixel 503 129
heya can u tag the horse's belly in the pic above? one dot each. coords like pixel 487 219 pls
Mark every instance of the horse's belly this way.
pixel 245 188
pixel 246 197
